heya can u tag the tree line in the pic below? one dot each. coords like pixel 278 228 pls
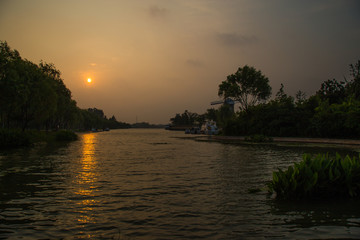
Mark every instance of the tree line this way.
pixel 333 111
pixel 34 96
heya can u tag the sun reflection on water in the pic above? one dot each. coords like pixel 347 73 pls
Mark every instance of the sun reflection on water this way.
pixel 86 180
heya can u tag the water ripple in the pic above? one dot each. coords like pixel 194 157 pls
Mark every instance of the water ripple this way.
pixel 149 184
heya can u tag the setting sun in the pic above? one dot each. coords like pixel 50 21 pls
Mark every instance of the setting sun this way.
pixel 89 80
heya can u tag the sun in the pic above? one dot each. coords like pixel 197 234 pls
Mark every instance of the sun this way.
pixel 89 80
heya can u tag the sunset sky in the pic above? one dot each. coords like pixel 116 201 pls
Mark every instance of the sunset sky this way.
pixel 151 59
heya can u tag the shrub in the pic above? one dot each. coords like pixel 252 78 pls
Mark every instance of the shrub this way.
pixel 65 135
pixel 318 177
pixel 10 138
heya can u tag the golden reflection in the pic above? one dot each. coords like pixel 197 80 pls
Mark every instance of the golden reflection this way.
pixel 86 180
pixel 87 175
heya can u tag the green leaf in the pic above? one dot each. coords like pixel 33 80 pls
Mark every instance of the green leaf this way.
pixel 275 177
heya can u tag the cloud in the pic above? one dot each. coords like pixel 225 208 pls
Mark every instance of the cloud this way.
pixel 157 12
pixel 234 39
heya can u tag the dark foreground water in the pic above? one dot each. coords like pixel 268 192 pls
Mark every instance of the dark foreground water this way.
pixel 149 184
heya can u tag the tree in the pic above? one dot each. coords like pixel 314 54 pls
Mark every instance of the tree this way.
pixel 9 83
pixel 65 107
pixel 185 119
pixel 40 97
pixel 282 97
pixel 98 112
pixel 353 86
pixel 35 96
pixel 281 93
pixel 300 97
pixel 224 114
pixel 333 91
pixel 248 86
pixel 211 114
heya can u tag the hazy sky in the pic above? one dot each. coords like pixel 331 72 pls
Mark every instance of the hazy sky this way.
pixel 151 59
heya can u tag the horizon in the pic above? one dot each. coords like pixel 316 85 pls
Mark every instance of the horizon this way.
pixel 148 61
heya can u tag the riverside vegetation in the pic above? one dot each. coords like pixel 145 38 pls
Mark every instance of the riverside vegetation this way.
pixel 13 138
pixel 318 176
pixel 35 97
pixel 332 112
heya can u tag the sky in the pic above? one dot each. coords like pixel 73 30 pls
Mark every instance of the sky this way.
pixel 151 59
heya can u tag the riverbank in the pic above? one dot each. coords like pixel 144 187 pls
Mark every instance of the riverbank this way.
pixel 353 143
pixel 298 140
pixel 15 138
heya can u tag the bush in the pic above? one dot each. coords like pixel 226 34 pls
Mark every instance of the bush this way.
pixel 318 177
pixel 65 135
pixel 10 138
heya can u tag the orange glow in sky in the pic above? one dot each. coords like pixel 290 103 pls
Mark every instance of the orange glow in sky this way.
pixel 174 54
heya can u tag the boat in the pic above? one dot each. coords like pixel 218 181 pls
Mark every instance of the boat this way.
pixel 193 130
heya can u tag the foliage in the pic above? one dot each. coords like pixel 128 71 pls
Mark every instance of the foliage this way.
pixel 334 111
pixel 248 86
pixel 211 114
pixel 35 97
pixel 337 120
pixel 318 177
pixel 92 119
pixel 13 138
pixel 98 112
pixel 300 97
pixel 146 125
pixel 332 91
pixel 276 118
pixel 353 85
pixel 223 115
pixel 186 119
pixel 66 135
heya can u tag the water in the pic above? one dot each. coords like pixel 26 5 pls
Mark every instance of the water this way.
pixel 151 184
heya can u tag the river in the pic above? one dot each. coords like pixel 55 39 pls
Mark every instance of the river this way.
pixel 154 184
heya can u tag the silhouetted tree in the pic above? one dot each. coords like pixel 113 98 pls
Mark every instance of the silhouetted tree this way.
pixel 300 97
pixel 98 112
pixel 333 91
pixel 185 119
pixel 353 86
pixel 211 114
pixel 35 96
pixel 248 86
